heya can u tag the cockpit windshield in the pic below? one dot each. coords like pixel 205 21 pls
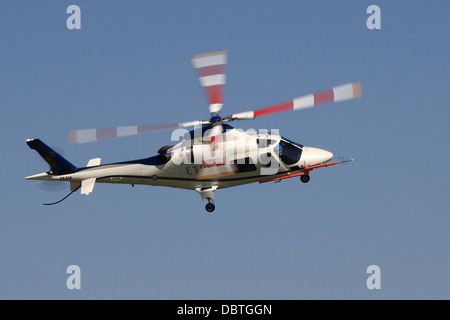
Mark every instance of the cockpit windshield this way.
pixel 289 152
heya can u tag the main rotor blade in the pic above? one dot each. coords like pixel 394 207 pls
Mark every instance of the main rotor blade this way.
pixel 339 93
pixel 91 135
pixel 210 68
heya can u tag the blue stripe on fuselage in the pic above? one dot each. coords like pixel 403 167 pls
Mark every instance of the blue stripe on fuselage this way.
pixel 147 161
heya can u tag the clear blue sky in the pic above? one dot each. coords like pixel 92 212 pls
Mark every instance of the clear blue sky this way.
pixel 130 65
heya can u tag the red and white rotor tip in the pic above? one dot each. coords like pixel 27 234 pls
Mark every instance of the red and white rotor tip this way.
pixel 210 68
pixel 343 92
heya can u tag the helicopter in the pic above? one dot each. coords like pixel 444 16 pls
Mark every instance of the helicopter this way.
pixel 211 155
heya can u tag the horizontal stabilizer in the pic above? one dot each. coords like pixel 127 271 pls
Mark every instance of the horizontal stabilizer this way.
pixel 87 186
pixel 94 162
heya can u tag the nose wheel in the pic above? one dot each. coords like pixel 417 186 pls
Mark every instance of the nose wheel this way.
pixel 210 206
pixel 304 178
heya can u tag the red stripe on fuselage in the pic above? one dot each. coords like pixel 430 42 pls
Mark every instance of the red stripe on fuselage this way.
pixel 213 163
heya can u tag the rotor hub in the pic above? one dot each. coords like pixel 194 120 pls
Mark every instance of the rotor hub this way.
pixel 215 119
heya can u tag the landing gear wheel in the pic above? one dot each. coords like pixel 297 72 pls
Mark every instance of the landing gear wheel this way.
pixel 304 178
pixel 210 207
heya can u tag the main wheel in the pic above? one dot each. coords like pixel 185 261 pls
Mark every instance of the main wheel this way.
pixel 210 207
pixel 305 178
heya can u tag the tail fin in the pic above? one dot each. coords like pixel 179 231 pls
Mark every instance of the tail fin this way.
pixel 58 165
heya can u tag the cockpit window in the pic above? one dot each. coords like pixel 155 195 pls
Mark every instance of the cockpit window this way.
pixel 288 152
pixel 292 142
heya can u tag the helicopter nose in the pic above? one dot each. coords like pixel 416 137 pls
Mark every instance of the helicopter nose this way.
pixel 313 156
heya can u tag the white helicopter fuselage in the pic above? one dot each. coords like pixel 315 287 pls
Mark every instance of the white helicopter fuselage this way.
pixel 204 163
